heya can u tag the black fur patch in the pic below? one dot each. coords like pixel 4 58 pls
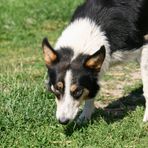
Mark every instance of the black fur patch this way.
pixel 84 77
pixel 81 76
pixel 125 22
pixel 58 70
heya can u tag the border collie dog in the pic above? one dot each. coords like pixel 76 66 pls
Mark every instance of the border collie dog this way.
pixel 101 32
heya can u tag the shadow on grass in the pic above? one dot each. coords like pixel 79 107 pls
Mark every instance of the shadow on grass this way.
pixel 115 111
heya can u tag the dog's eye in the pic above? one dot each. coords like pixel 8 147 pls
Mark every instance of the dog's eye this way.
pixel 58 89
pixel 57 93
pixel 54 89
pixel 77 93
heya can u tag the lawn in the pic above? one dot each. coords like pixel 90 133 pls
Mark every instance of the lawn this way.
pixel 27 110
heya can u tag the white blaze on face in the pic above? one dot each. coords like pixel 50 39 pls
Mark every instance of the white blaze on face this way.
pixel 67 107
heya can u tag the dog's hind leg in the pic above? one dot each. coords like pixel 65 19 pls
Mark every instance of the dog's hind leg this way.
pixel 144 73
pixel 87 111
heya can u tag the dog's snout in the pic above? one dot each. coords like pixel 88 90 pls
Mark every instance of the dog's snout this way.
pixel 63 121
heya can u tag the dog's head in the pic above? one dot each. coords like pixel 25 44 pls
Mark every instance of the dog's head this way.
pixel 71 79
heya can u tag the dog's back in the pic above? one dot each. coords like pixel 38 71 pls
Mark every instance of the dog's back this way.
pixel 124 21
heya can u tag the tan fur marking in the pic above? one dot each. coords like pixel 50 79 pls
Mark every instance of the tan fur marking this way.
pixel 73 87
pixel 49 56
pixel 60 85
pixel 146 37
pixel 94 63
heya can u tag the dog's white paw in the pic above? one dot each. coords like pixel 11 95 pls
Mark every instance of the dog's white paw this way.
pixel 145 119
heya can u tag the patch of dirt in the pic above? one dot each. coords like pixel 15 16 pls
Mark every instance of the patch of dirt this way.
pixel 120 77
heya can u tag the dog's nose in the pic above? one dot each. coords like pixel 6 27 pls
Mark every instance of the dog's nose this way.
pixel 63 121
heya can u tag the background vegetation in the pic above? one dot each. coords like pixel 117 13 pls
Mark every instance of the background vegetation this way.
pixel 27 111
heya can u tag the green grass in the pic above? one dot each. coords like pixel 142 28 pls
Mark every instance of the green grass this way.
pixel 27 111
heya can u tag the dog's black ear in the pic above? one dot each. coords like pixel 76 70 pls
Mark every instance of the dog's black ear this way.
pixel 50 54
pixel 95 61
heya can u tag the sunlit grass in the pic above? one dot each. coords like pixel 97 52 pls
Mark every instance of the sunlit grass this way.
pixel 27 110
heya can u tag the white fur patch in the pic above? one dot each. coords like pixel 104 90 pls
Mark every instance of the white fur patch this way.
pixel 84 36
pixel 144 73
pixel 67 107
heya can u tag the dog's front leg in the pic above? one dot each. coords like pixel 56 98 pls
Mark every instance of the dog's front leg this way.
pixel 87 111
pixel 144 72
